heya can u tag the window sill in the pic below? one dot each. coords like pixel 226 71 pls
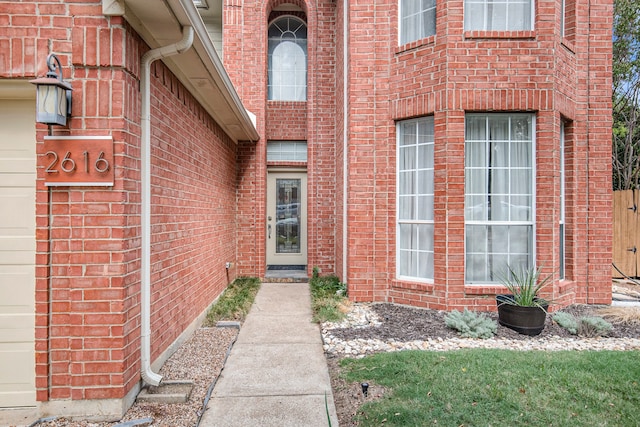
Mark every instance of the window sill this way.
pixel 500 34
pixel 285 103
pixel 286 163
pixel 406 285
pixel 565 285
pixel 487 289
pixel 427 41
pixel 569 45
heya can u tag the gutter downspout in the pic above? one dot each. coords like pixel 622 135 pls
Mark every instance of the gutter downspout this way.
pixel 148 375
pixel 345 140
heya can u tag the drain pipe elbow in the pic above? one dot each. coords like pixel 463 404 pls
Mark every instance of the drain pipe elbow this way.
pixel 148 376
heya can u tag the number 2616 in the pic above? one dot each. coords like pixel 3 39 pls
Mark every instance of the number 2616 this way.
pixel 68 165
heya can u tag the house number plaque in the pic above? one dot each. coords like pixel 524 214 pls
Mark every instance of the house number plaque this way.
pixel 78 161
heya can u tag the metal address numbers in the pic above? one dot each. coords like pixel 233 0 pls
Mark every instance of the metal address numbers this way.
pixel 68 165
pixel 75 161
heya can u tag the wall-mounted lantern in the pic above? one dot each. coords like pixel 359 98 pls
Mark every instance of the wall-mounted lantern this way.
pixel 53 95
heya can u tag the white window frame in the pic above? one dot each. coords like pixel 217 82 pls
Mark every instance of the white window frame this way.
pixel 286 151
pixel 563 17
pixel 492 274
pixel 420 251
pixel 403 21
pixel 486 4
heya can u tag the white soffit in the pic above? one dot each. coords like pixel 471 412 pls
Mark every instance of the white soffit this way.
pixel 159 23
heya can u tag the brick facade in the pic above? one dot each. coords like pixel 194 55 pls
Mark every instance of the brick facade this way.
pixel 209 192
pixel 445 76
pixel 88 239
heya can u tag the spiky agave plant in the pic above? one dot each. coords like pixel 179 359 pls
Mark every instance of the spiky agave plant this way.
pixel 525 284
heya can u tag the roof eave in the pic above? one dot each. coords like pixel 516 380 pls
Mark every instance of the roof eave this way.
pixel 199 69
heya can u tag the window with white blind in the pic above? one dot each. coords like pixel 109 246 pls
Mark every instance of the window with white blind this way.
pixel 498 15
pixel 415 198
pixel 281 151
pixel 499 194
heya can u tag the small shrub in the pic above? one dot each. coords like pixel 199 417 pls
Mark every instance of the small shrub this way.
pixel 471 324
pixel 593 326
pixel 586 326
pixel 567 321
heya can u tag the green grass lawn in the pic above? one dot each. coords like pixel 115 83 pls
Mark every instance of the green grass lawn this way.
pixel 500 388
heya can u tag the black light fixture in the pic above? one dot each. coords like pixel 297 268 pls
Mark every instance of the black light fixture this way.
pixel 365 389
pixel 53 95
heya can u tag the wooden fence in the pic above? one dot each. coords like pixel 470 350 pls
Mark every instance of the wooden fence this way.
pixel 626 233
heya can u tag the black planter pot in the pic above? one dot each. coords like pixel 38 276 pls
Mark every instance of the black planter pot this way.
pixel 524 320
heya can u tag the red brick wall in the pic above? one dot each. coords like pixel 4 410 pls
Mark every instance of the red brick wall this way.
pixel 371 151
pixel 88 239
pixel 446 76
pixel 293 128
pixel 244 35
pixel 321 107
pixel 598 103
pixel 313 120
pixel 193 208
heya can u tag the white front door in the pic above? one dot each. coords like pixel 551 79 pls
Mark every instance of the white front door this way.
pixel 286 219
pixel 17 247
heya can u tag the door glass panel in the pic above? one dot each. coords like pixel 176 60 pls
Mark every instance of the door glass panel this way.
pixel 288 232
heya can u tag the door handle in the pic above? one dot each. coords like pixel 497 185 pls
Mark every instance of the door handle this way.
pixel 269 230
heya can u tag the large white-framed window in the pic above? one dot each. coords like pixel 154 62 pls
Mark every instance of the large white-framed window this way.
pixel 415 199
pixel 499 194
pixel 562 221
pixel 498 15
pixel 287 53
pixel 417 19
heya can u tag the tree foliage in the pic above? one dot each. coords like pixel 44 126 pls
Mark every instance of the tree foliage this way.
pixel 626 94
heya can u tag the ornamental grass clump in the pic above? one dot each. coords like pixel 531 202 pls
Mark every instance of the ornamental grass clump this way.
pixel 585 326
pixel 524 286
pixel 471 324
pixel 624 315
pixel 328 297
pixel 235 302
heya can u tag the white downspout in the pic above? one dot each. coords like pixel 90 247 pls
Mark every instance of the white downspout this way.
pixel 345 140
pixel 148 375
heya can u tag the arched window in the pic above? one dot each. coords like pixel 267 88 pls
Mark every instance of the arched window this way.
pixel 288 60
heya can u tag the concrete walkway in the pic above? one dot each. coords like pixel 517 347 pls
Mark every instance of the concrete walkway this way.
pixel 276 373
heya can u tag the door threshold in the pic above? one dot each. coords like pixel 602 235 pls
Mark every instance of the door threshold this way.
pixel 287 267
pixel 286 276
